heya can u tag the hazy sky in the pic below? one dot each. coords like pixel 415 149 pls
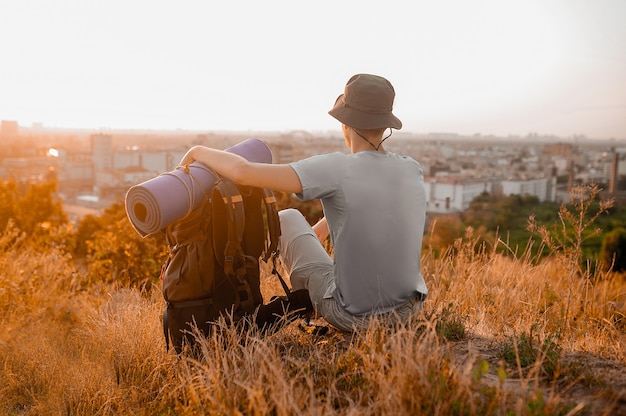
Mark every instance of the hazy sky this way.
pixel 465 66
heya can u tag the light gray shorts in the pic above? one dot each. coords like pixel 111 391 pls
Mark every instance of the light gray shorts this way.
pixel 310 267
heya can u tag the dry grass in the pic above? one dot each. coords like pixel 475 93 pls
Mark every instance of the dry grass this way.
pixel 497 336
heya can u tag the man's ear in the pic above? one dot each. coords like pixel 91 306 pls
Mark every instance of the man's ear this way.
pixel 346 136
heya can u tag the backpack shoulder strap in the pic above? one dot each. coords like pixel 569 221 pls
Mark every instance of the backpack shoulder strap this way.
pixel 273 223
pixel 227 203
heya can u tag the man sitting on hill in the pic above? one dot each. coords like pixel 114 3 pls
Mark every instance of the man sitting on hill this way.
pixel 374 209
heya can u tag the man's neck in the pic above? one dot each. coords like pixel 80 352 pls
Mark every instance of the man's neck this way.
pixel 362 146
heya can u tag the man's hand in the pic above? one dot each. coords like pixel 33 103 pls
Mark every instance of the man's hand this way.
pixel 321 229
pixel 188 159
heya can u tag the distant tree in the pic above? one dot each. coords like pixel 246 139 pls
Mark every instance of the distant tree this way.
pixel 481 211
pixel 613 252
pixel 88 226
pixel 115 253
pixel 8 198
pixel 39 209
pixel 35 210
pixel 443 231
pixel 506 217
pixel 512 211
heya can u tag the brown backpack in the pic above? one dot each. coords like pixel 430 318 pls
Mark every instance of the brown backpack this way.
pixel 213 267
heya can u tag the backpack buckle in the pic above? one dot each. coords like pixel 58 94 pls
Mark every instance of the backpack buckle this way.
pixel 229 262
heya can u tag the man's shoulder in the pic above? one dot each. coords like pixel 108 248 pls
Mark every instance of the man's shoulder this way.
pixel 322 158
pixel 410 160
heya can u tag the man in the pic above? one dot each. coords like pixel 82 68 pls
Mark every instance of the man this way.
pixel 374 209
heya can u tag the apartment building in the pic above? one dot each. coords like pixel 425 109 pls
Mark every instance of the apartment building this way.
pixel 446 194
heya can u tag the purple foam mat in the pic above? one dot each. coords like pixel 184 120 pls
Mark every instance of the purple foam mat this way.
pixel 153 205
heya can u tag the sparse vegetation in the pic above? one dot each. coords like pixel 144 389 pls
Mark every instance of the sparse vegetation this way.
pixel 499 335
pixel 529 353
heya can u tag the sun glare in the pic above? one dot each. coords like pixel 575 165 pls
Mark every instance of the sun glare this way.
pixel 504 51
pixel 465 66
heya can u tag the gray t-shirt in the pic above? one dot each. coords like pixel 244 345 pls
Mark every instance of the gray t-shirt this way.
pixel 375 206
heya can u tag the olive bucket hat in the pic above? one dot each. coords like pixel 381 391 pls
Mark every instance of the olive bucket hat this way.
pixel 367 103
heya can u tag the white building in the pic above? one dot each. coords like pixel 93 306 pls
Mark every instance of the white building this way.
pixel 452 194
pixel 543 188
pixel 154 162
pixel 101 158
pixel 446 194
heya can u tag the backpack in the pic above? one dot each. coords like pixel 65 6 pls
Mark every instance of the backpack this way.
pixel 213 267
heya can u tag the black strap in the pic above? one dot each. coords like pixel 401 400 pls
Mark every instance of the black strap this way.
pixel 166 330
pixel 275 272
pixel 227 197
pixel 273 223
pixel 227 202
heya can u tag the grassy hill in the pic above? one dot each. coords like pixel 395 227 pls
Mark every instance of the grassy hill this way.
pixel 498 335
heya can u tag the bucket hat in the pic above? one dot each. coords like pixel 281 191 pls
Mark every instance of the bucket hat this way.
pixel 367 103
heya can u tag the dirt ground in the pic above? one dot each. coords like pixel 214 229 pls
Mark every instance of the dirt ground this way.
pixel 586 384
pixel 593 385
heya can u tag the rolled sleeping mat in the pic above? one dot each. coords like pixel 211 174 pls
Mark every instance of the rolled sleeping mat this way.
pixel 153 205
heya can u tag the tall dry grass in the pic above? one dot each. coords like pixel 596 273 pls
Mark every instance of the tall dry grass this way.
pixel 498 335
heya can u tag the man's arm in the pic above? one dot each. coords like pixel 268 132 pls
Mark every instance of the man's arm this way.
pixel 321 229
pixel 279 177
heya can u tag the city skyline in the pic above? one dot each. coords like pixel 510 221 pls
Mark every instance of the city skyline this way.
pixel 552 68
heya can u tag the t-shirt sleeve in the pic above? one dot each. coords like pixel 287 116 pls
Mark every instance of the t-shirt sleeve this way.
pixel 320 175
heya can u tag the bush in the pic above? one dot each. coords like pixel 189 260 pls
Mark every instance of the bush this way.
pixel 529 353
pixel 115 253
pixel 613 252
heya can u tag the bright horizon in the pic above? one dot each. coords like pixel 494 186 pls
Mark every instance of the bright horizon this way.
pixel 491 67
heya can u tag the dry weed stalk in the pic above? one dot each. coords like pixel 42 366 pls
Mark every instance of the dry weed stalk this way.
pixel 566 241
